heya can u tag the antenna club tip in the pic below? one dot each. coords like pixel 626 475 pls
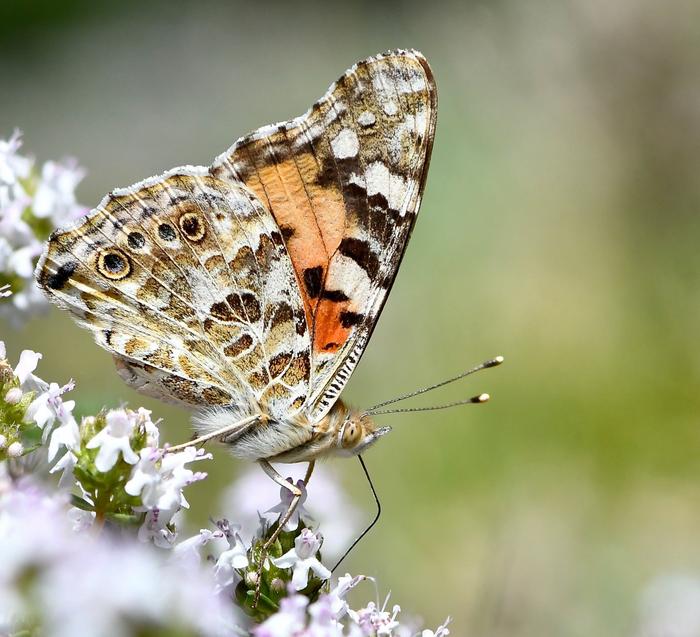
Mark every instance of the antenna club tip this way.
pixel 481 398
pixel 497 360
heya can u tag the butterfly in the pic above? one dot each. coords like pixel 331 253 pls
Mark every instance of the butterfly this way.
pixel 248 290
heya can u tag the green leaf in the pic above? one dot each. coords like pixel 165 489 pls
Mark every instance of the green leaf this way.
pixel 125 518
pixel 79 503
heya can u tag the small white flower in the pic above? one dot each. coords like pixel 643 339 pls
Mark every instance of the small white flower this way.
pixel 3 442
pixel 22 259
pixel 324 620
pixel 282 507
pixel 379 622
pixel 156 528
pixel 374 621
pixel 13 166
pixel 13 228
pixel 66 464
pixel 28 360
pixel 289 621
pixel 13 396
pixel 52 198
pixel 146 477
pixel 235 557
pixel 345 584
pixel 55 194
pixel 302 558
pixel 441 631
pixel 49 406
pixel 113 439
pixel 189 549
pixel 67 435
pixel 160 478
pixel 143 419
pixel 81 520
pixel 15 450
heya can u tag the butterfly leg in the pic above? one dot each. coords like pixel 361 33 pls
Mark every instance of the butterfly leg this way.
pixel 296 496
pixel 226 434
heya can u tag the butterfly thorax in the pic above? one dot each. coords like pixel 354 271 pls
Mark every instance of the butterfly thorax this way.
pixel 343 431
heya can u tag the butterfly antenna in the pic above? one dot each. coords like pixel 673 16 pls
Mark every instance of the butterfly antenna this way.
pixel 492 362
pixel 474 400
pixel 374 521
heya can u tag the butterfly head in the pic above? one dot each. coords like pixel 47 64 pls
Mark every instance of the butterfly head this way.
pixel 357 432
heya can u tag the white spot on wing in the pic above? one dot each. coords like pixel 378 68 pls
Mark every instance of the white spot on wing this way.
pixel 390 107
pixel 345 144
pixel 345 274
pixel 337 109
pixel 392 79
pixel 366 118
pixel 381 181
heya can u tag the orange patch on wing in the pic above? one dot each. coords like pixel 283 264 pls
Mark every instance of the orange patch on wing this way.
pixel 329 333
pixel 314 216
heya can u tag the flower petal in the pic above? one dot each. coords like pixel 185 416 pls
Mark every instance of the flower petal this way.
pixel 300 577
pixel 28 360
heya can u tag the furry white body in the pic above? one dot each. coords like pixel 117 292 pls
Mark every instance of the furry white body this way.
pixel 340 432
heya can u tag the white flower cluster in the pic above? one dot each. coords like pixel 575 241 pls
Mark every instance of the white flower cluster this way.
pixel 32 203
pixel 332 616
pixel 59 583
pixel 233 553
pixel 46 407
pixel 329 616
pixel 157 478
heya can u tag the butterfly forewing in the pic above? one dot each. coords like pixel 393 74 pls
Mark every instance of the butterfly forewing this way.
pixel 344 183
pixel 185 279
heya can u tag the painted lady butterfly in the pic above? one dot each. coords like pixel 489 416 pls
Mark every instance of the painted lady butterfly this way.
pixel 248 290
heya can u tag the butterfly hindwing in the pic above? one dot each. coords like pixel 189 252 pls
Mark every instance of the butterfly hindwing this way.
pixel 344 184
pixel 185 279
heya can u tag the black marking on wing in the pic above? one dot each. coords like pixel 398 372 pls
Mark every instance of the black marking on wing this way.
pixel 313 280
pixel 360 252
pixel 57 280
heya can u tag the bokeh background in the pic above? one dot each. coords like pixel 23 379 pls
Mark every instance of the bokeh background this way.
pixel 560 228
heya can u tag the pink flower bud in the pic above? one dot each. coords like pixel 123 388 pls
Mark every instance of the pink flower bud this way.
pixel 13 396
pixel 15 450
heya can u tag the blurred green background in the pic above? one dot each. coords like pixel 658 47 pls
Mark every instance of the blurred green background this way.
pixel 559 228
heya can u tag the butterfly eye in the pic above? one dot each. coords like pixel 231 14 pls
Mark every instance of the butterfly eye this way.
pixel 113 264
pixel 351 435
pixel 192 226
